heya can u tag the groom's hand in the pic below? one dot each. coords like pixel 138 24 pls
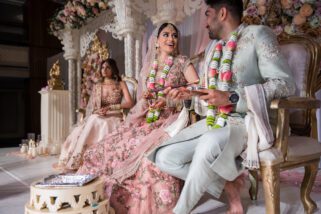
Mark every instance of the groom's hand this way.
pixel 215 97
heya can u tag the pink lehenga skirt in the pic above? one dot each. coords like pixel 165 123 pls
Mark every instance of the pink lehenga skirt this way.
pixel 133 183
pixel 94 129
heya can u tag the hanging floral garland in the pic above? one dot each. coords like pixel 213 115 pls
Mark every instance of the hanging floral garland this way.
pixel 220 74
pixel 75 14
pixel 153 114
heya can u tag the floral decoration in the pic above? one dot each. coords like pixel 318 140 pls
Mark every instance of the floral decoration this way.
pixel 75 14
pixel 153 114
pixel 91 68
pixel 220 70
pixel 295 17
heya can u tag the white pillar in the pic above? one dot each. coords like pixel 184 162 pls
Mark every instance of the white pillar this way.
pixel 72 87
pixel 129 55
pixel 71 46
pixel 138 57
pixel 79 79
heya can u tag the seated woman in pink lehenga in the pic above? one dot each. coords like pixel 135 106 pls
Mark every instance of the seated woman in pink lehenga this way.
pixel 133 183
pixel 103 116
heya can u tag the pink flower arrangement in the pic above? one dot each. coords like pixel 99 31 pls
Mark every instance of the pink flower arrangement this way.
pixel 76 13
pixel 294 16
pixel 225 109
pixel 227 76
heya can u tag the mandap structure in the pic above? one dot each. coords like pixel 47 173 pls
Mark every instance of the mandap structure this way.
pixel 77 23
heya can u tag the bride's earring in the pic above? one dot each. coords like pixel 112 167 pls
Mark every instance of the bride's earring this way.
pixel 157 45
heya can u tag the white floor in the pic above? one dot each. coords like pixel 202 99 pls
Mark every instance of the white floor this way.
pixel 16 174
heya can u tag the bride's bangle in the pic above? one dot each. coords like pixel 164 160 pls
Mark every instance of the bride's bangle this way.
pixel 115 107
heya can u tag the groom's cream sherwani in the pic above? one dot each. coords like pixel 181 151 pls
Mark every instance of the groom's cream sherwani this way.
pixel 205 159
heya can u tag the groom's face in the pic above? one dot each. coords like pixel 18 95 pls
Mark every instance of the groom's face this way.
pixel 212 23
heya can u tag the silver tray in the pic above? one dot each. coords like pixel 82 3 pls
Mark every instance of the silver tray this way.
pixel 68 180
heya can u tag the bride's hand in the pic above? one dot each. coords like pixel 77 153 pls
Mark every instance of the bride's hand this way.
pixel 160 103
pixel 147 95
pixel 181 93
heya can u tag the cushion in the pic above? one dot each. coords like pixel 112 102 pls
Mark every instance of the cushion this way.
pixel 303 148
pixel 298 58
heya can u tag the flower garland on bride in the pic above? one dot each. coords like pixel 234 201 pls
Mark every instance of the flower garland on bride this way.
pixel 154 113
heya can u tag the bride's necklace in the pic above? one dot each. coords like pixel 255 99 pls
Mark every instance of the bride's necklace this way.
pixel 216 117
pixel 108 81
pixel 153 114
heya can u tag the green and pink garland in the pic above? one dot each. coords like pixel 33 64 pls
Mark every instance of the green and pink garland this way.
pixel 216 117
pixel 153 114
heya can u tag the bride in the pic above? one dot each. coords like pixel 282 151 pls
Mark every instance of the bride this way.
pixel 133 183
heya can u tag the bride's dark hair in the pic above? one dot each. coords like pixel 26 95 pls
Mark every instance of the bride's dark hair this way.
pixel 164 25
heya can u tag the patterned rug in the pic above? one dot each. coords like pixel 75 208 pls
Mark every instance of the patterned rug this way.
pixel 295 178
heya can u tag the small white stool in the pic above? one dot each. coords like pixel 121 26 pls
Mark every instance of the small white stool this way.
pixel 87 199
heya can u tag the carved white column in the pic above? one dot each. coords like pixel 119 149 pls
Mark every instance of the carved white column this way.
pixel 126 28
pixel 79 78
pixel 129 44
pixel 70 40
pixel 138 57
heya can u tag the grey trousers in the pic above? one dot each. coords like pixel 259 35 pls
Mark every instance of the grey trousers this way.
pixel 201 161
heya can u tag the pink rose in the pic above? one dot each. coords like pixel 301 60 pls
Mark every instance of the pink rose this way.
pixel 95 11
pixel 81 11
pixel 151 85
pixel 162 81
pixel 218 47
pixel 155 65
pixel 225 109
pixel 169 61
pixel 212 72
pixel 165 196
pixel 226 76
pixel 231 45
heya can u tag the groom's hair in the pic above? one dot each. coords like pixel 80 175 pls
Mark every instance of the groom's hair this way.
pixel 235 7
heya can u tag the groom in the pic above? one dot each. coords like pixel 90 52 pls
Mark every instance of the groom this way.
pixel 238 57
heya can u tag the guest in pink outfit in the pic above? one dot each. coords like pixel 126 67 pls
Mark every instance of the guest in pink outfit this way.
pixel 103 115
pixel 133 183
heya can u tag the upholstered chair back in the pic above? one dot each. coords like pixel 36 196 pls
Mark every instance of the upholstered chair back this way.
pixel 302 55
pixel 132 85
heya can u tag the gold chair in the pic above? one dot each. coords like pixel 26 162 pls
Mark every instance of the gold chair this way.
pixel 299 113
pixel 301 148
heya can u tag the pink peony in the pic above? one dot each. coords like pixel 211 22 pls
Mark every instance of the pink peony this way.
pixel 226 76
pixel 165 196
